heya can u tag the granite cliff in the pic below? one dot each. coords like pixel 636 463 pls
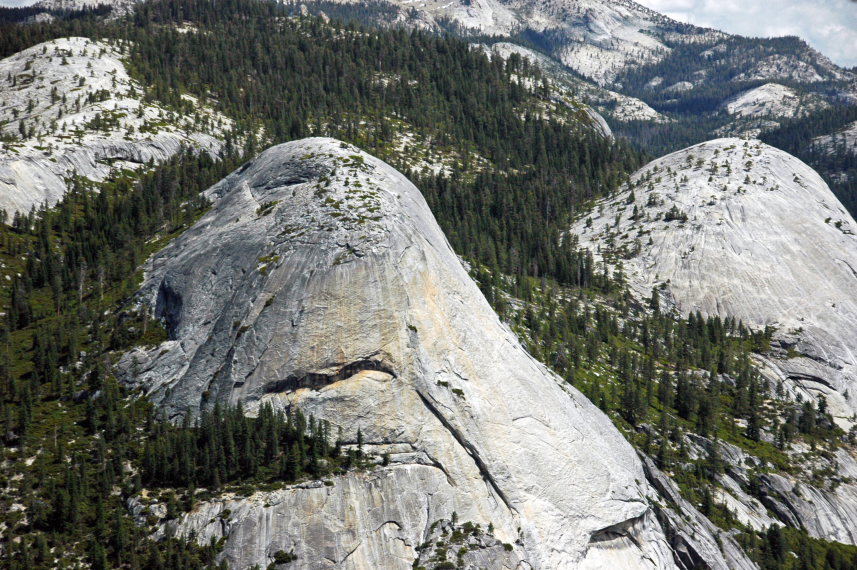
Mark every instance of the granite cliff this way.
pixel 738 229
pixel 320 280
pixel 68 107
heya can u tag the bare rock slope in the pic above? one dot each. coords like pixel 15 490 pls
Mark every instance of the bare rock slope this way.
pixel 595 38
pixel 68 107
pixel 320 279
pixel 738 228
pixel 772 100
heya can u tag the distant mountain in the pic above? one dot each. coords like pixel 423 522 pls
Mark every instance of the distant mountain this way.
pixel 664 84
pixel 71 109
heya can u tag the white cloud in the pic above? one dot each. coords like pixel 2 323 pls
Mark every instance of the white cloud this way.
pixel 828 25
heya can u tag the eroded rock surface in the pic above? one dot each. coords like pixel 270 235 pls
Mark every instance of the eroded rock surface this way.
pixel 69 108
pixel 320 279
pixel 740 229
pixel 697 543
pixel 772 100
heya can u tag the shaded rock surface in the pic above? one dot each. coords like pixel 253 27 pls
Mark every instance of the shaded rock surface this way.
pixel 828 512
pixel 74 111
pixel 825 510
pixel 845 139
pixel 320 279
pixel 697 543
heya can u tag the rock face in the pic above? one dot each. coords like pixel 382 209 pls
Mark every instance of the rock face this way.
pixel 72 109
pixel 734 481
pixel 320 279
pixel 595 38
pixel 737 228
pixel 827 510
pixel 845 139
pixel 697 543
pixel 771 100
pixel 615 105
pixel 780 66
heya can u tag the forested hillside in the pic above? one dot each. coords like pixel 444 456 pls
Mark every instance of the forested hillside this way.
pixel 838 164
pixel 504 170
pixel 668 382
pixel 81 441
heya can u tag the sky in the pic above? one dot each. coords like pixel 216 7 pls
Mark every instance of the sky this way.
pixel 830 26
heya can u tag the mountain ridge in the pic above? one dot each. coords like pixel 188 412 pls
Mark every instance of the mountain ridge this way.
pixel 70 109
pixel 356 329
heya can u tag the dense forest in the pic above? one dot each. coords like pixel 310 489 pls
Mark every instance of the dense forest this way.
pixel 79 261
pixel 475 109
pixel 59 401
pixel 61 404
pixel 519 171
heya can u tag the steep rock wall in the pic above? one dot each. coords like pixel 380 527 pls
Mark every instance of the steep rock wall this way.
pixel 320 279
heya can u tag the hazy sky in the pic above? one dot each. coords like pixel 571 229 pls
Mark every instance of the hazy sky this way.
pixel 830 26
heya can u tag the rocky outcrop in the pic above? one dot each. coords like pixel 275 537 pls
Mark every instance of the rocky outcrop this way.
pixel 737 228
pixel 828 511
pixel 843 140
pixel 697 543
pixel 787 66
pixel 610 103
pixel 826 508
pixel 735 481
pixel 772 100
pixel 469 546
pixel 595 38
pixel 69 108
pixel 320 279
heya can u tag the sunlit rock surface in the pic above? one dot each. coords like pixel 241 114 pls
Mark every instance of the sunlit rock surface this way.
pixel 320 279
pixel 69 108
